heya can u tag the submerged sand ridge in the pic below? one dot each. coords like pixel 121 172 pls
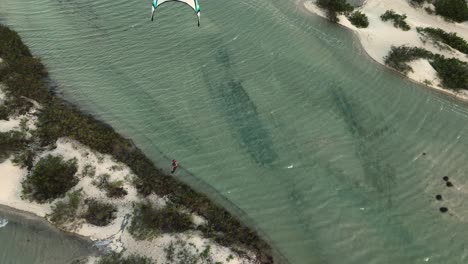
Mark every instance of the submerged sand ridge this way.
pixel 340 124
pixel 378 38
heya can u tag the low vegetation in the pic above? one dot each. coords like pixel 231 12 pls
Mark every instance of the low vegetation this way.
pixel 452 72
pixel 359 19
pixel 113 189
pixel 149 221
pixel 65 211
pixel 335 7
pixel 50 178
pixel 99 213
pixel 418 2
pixel 456 10
pixel 61 119
pixel 88 171
pixel 115 258
pixel 400 56
pixel 448 38
pixel 399 21
pixel 181 252
pixel 11 142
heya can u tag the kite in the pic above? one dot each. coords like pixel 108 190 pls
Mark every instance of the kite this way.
pixel 192 3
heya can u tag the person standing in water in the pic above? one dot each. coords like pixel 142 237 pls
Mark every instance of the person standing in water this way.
pixel 174 166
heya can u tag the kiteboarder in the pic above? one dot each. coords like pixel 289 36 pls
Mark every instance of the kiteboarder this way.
pixel 174 166
pixel 192 3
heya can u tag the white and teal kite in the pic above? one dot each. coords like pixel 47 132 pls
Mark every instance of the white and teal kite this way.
pixel 192 3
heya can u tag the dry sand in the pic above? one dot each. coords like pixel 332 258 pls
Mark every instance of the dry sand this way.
pixel 380 36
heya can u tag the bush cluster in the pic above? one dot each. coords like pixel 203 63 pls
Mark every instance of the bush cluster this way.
pixel 417 2
pixel 115 258
pixel 451 39
pixel 399 21
pixel 65 211
pixel 98 213
pixel 456 10
pixel 398 57
pixel 181 252
pixel 452 72
pixel 113 189
pixel 50 178
pixel 335 7
pixel 11 142
pixel 149 221
pixel 359 19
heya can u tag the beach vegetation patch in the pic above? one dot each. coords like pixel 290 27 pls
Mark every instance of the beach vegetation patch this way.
pixel 399 21
pixel 65 211
pixel 400 56
pixel 180 252
pixel 99 213
pixel 11 142
pixel 335 7
pixel 50 178
pixel 25 158
pixel 113 189
pixel 449 38
pixel 418 2
pixel 88 171
pixel 149 221
pixel 452 72
pixel 116 258
pixel 455 10
pixel 359 19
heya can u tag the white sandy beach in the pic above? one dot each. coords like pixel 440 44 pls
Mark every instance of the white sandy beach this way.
pixel 115 236
pixel 380 36
pixel 117 240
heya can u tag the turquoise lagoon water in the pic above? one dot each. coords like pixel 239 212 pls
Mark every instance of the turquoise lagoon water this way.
pixel 276 111
pixel 25 239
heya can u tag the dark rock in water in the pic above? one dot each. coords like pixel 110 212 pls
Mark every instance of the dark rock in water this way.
pixel 439 197
pixel 449 184
pixel 446 178
pixel 443 209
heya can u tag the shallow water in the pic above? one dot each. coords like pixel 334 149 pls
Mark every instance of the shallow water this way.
pixel 25 239
pixel 278 111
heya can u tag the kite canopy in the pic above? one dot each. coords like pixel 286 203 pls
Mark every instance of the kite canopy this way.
pixel 192 3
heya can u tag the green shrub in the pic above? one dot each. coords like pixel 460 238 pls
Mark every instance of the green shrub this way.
pixel 417 2
pixel 98 213
pixel 452 72
pixel 11 142
pixel 429 10
pixel 50 178
pixel 89 170
pixel 65 211
pixel 399 21
pixel 451 39
pixel 115 258
pixel 148 221
pixel 335 7
pixel 113 189
pixel 456 10
pixel 181 252
pixel 398 57
pixel 359 19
